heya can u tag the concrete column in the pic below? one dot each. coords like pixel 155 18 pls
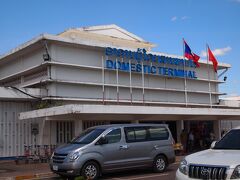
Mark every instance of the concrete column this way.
pixel 180 127
pixel 217 129
pixel 78 127
pixel 42 136
pixel 47 132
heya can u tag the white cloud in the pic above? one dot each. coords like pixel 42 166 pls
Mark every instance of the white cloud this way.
pixel 238 1
pixel 218 52
pixel 184 18
pixel 174 18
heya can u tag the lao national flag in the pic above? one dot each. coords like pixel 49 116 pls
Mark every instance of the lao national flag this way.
pixel 190 55
pixel 213 59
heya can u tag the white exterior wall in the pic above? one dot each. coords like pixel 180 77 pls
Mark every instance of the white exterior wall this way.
pixel 82 77
pixel 80 72
pixel 24 70
pixel 227 124
pixel 21 63
pixel 14 134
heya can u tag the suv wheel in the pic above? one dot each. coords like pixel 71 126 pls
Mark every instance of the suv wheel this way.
pixel 90 170
pixel 159 164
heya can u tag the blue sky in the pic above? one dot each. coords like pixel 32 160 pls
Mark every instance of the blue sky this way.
pixel 163 22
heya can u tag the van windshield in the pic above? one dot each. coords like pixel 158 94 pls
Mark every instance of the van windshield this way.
pixel 87 136
pixel 230 141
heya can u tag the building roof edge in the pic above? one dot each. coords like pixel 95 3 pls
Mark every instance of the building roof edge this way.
pixel 87 43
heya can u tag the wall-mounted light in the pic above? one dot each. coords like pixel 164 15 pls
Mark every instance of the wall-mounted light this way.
pixel 225 78
pixel 46 57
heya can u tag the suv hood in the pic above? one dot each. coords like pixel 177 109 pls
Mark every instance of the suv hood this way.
pixel 67 148
pixel 229 158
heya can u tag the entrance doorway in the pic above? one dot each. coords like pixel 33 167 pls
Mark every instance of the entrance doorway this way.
pixel 203 133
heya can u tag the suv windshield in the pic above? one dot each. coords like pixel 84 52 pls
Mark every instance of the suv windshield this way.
pixel 87 136
pixel 230 141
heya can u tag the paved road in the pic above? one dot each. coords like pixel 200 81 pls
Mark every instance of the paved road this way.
pixel 144 174
pixel 140 175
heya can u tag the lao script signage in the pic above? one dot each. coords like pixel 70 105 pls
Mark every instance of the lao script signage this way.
pixel 141 61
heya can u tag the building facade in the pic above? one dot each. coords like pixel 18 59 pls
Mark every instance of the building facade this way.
pixel 102 75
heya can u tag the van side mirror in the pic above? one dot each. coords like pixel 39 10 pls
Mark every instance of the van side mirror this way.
pixel 102 140
pixel 213 144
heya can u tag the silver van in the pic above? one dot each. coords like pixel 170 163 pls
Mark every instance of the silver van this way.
pixel 111 148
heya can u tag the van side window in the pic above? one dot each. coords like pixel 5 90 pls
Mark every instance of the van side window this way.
pixel 140 134
pixel 114 136
pixel 158 133
pixel 135 134
pixel 130 134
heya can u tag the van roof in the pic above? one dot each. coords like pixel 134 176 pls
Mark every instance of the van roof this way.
pixel 128 125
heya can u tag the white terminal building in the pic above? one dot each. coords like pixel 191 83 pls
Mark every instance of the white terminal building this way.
pixel 55 86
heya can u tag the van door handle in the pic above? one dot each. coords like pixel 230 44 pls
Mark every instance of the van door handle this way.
pixel 123 147
pixel 156 147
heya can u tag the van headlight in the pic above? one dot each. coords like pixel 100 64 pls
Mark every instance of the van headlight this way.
pixel 236 173
pixel 74 156
pixel 183 167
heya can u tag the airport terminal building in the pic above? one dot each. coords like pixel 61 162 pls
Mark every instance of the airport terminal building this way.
pixel 55 86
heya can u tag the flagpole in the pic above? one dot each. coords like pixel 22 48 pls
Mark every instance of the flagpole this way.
pixel 143 84
pixel 209 84
pixel 117 81
pixel 130 79
pixel 185 78
pixel 103 80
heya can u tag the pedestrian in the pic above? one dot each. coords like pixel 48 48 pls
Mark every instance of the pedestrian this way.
pixel 191 141
pixel 183 139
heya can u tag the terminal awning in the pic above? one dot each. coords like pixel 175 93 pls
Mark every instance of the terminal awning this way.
pixel 123 112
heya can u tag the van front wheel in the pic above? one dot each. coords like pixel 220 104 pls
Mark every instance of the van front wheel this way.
pixel 159 164
pixel 90 170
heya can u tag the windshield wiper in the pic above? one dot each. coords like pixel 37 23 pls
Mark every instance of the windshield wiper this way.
pixel 77 143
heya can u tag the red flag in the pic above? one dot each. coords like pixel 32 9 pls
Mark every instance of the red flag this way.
pixel 213 59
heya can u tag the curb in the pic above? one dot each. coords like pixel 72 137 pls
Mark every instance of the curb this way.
pixel 24 177
pixel 34 176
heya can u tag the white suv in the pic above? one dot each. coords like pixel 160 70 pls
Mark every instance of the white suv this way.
pixel 222 161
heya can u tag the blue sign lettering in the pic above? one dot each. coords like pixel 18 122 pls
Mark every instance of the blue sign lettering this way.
pixel 138 68
pixel 141 56
pixel 109 64
pixel 153 69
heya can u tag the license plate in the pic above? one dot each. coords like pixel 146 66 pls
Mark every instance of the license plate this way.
pixel 55 168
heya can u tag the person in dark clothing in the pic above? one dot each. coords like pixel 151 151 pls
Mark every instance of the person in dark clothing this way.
pixel 191 141
pixel 183 139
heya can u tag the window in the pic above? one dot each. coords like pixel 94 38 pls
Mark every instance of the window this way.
pixel 87 136
pixel 130 135
pixel 114 136
pixel 135 134
pixel 64 132
pixel 140 134
pixel 230 141
pixel 158 133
